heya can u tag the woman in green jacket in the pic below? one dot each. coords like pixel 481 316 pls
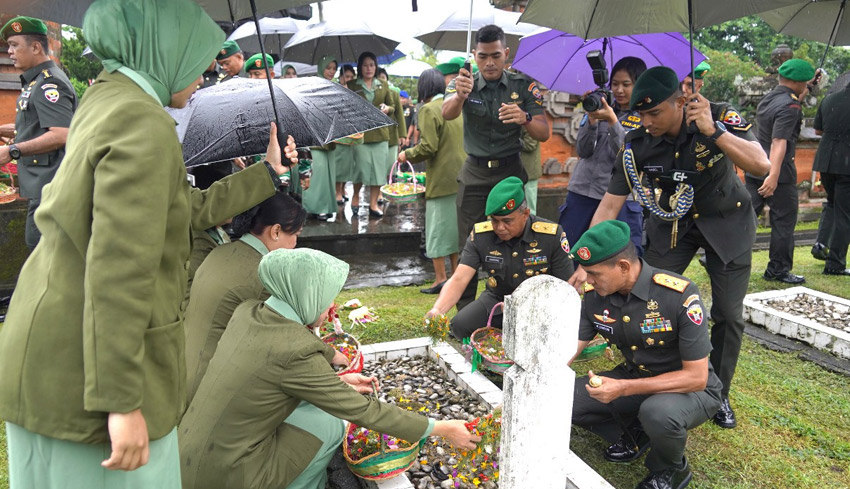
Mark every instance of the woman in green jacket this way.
pixel 370 158
pixel 92 349
pixel 228 277
pixel 441 144
pixel 320 198
pixel 267 414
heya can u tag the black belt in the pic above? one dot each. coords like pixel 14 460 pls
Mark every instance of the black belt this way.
pixel 494 162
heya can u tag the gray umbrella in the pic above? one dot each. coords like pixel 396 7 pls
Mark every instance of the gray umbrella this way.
pixel 232 119
pixel 810 20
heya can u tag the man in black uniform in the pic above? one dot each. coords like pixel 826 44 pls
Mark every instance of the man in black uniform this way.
pixel 44 111
pixel 511 247
pixel 779 116
pixel 496 105
pixel 212 76
pixel 702 203
pixel 832 121
pixel 666 385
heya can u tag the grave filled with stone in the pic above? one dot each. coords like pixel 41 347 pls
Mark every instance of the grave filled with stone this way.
pixel 825 312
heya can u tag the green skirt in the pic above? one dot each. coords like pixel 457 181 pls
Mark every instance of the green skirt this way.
pixel 441 226
pixel 343 162
pixel 530 189
pixel 320 198
pixel 370 162
pixel 37 461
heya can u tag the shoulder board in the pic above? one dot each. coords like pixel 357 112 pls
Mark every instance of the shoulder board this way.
pixel 544 227
pixel 483 227
pixel 793 96
pixel 671 282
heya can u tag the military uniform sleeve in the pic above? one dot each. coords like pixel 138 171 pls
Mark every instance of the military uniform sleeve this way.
pixel 586 331
pixel 54 103
pixel 562 265
pixel 469 256
pixel 401 128
pixel 694 341
pixel 818 124
pixel 429 136
pixel 734 122
pixel 786 122
pixel 309 377
pixel 450 90
pixel 532 100
pixel 618 184
pixel 230 196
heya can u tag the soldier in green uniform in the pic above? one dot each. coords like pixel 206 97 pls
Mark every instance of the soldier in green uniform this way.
pixel 43 114
pixel 257 69
pixel 231 60
pixel 702 201
pixel 496 105
pixel 666 385
pixel 511 247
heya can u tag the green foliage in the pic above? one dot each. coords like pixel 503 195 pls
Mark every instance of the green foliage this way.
pixel 79 87
pixel 720 83
pixel 79 69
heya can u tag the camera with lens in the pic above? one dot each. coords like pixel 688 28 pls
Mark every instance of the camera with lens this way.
pixel 593 100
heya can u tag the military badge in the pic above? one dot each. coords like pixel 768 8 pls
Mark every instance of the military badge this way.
pixel 604 317
pixel 695 314
pixel 533 244
pixel 652 305
pixel 529 272
pixel 565 245
pixel 583 253
pixel 690 300
pixel 49 85
pixel 16 26
pixel 495 253
pixel 514 96
pixel 732 118
pixel 533 251
pixel 510 204
pixel 648 100
pixel 258 63
pixel 534 261
pixel 52 95
pixel 650 341
pixel 223 51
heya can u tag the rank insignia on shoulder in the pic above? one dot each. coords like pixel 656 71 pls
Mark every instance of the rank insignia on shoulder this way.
pixel 677 284
pixel 46 74
pixel 794 96
pixel 544 227
pixel 483 227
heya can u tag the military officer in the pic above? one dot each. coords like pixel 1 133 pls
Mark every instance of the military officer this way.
pixel 257 69
pixel 43 114
pixel 832 121
pixel 496 106
pixel 231 60
pixel 511 247
pixel 688 149
pixel 666 385
pixel 779 116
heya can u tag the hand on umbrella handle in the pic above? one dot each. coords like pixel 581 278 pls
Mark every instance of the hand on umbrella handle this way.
pixel 273 156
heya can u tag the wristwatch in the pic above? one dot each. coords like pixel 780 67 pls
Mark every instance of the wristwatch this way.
pixel 527 118
pixel 14 152
pixel 721 129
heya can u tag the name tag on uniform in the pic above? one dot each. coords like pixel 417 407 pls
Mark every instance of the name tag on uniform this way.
pixel 475 101
pixel 493 259
pixel 604 327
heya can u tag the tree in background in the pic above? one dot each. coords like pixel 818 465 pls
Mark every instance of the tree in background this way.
pixel 78 68
pixel 720 81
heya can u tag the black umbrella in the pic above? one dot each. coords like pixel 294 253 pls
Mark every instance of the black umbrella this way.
pixel 232 119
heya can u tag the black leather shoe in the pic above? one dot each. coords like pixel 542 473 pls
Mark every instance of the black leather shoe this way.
pixel 725 416
pixel 820 251
pixel 435 289
pixel 374 213
pixel 830 271
pixel 787 277
pixel 668 479
pixel 624 451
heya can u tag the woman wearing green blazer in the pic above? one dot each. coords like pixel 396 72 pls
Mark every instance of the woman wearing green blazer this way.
pixel 267 413
pixel 320 198
pixel 370 157
pixel 92 349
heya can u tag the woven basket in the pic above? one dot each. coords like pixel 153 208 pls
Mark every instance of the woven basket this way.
pixel 475 350
pixel 385 464
pixel 355 364
pixel 11 194
pixel 402 192
pixel 595 348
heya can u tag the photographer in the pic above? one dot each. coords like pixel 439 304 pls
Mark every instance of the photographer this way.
pixel 599 139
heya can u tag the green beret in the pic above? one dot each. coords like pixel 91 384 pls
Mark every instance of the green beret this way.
pixel 20 26
pixel 505 197
pixel 453 66
pixel 601 242
pixel 228 49
pixel 654 86
pixel 700 70
pixel 795 69
pixel 255 62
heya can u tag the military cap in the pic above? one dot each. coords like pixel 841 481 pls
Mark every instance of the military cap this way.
pixel 795 69
pixel 700 70
pixel 505 197
pixel 601 242
pixel 654 86
pixel 228 49
pixel 255 62
pixel 453 66
pixel 23 25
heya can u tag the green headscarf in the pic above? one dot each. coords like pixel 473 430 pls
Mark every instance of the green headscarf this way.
pixel 162 45
pixel 303 282
pixel 324 62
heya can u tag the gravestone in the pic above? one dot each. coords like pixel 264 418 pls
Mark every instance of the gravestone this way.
pixel 540 336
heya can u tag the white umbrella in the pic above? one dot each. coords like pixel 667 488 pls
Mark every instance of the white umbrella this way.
pixel 302 69
pixel 450 30
pixel 343 38
pixel 408 68
pixel 276 32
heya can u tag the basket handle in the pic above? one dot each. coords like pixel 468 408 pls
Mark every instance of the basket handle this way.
pixel 381 435
pixel 493 311
pixel 397 166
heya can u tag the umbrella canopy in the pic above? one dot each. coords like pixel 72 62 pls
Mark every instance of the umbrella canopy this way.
pixel 408 68
pixel 448 30
pixel 232 119
pixel 303 69
pixel 822 21
pixel 71 12
pixel 592 19
pixel 276 32
pixel 344 38
pixel 558 60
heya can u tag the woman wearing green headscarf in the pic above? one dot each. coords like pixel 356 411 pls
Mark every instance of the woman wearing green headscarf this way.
pixel 92 349
pixel 267 413
pixel 320 198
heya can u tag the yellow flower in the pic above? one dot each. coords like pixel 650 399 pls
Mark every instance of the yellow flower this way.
pixel 476 482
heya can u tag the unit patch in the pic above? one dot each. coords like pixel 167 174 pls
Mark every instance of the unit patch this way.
pixel 690 300
pixel 52 95
pixel 695 314
pixel 565 244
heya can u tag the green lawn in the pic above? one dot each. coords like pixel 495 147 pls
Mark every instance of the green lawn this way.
pixel 794 417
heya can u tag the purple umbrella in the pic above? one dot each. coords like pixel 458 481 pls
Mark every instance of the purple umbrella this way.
pixel 557 59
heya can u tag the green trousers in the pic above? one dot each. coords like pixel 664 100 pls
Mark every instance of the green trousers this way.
pixel 330 430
